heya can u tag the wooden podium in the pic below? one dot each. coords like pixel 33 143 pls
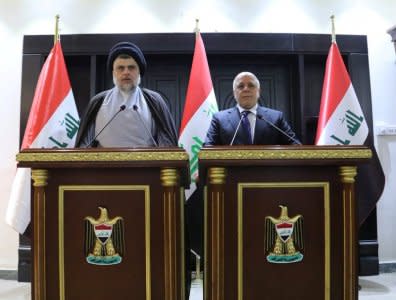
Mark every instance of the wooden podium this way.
pixel 280 222
pixel 107 223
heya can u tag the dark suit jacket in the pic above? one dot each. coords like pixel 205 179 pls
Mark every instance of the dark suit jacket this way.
pixel 224 124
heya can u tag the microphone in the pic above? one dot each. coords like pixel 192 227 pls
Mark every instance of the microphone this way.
pixel 261 117
pixel 94 141
pixel 135 108
pixel 236 130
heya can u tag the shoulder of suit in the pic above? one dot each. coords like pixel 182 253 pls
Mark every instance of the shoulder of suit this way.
pixel 268 110
pixel 226 111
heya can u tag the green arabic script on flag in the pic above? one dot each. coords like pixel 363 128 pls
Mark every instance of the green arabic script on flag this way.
pixel 341 120
pixel 53 123
pixel 71 125
pixel 353 123
pixel 198 110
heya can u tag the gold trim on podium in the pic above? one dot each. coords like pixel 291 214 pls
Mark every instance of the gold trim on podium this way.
pixel 183 249
pixel 167 171
pixel 99 156
pixel 217 179
pixel 61 245
pixel 169 177
pixel 326 204
pixel 39 177
pixel 292 153
pixel 170 180
pixel 205 245
pixel 217 175
pixel 348 174
pixel 317 165
pixel 347 177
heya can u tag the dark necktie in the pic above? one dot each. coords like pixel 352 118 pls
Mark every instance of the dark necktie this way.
pixel 246 125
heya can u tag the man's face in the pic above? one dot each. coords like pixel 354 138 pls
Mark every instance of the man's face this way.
pixel 246 91
pixel 126 73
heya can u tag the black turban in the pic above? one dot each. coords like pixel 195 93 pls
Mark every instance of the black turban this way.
pixel 129 49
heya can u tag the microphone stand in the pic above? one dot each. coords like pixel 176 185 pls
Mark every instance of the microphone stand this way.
pixel 280 130
pixel 122 107
pixel 236 130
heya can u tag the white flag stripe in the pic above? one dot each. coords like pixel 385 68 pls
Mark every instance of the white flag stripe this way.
pixel 56 126
pixel 194 135
pixel 197 126
pixel 18 210
pixel 337 130
pixel 198 109
pixel 53 123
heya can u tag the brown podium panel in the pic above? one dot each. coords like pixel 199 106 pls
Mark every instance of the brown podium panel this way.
pixel 108 223
pixel 280 222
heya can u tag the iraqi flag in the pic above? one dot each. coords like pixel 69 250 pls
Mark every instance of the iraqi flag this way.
pixel 341 119
pixel 341 122
pixel 53 123
pixel 198 110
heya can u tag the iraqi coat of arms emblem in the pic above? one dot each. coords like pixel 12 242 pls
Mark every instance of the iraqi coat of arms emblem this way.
pixel 104 239
pixel 284 238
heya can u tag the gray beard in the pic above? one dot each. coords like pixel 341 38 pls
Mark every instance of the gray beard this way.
pixel 128 88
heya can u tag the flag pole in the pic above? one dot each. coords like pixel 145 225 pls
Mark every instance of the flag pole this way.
pixel 196 29
pixel 56 35
pixel 333 35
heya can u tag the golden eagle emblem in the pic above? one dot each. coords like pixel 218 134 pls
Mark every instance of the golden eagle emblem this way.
pixel 284 238
pixel 104 239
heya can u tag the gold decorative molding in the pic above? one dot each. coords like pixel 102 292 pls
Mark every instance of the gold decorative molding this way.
pixel 39 283
pixel 206 241
pixel 61 228
pixel 217 175
pixel 348 174
pixel 100 156
pixel 169 177
pixel 39 177
pixel 169 180
pixel 182 238
pixel 216 224
pixel 325 186
pixel 302 154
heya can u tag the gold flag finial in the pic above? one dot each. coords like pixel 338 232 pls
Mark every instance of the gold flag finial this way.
pixel 56 36
pixel 196 29
pixel 333 36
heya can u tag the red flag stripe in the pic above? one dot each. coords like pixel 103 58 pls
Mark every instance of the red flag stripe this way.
pixel 103 226
pixel 284 225
pixel 336 83
pixel 200 83
pixel 53 80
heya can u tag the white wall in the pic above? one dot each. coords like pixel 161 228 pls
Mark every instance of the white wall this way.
pixel 371 18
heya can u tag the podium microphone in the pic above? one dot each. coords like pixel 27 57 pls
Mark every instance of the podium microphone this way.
pixel 280 130
pixel 236 130
pixel 135 108
pixel 93 141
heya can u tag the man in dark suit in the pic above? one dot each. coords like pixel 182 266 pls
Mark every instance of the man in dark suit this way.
pixel 247 122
